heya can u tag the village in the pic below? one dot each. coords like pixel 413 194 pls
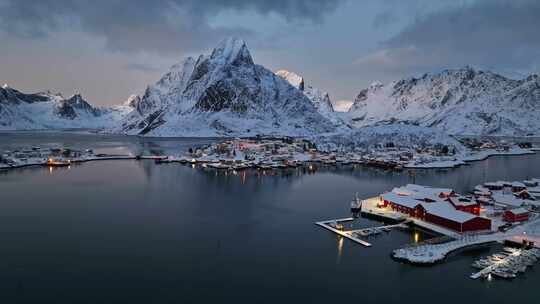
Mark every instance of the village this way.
pixel 282 153
pixel 494 212
pixel 264 154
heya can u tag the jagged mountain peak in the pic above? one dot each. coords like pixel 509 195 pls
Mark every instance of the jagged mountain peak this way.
pixel 75 106
pixel 224 94
pixel 320 99
pixel 233 51
pixel 132 101
pixel 294 79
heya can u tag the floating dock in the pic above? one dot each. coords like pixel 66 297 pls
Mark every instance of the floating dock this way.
pixel 346 234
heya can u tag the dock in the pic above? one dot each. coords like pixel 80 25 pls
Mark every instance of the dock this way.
pixel 345 234
pixel 512 263
pixel 376 230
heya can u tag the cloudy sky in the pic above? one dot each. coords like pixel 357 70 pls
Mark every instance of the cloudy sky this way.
pixel 109 49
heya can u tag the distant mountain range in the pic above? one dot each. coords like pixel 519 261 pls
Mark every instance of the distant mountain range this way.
pixel 21 111
pixel 226 94
pixel 461 101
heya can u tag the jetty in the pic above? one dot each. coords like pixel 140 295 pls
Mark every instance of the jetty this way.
pixel 377 230
pixel 355 235
pixel 335 226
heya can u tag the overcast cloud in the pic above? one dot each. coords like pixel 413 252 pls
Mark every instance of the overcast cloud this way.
pixel 142 25
pixel 107 50
pixel 489 34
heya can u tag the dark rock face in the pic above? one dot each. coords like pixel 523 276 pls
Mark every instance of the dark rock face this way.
pixel 223 93
pixel 219 97
pixel 69 108
pixel 64 110
pixel 9 95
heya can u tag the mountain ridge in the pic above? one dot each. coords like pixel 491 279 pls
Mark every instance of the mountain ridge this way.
pixel 459 101
pixel 224 94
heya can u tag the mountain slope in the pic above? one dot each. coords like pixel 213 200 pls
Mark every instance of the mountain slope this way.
pixel 462 101
pixel 21 111
pixel 320 99
pixel 400 135
pixel 224 94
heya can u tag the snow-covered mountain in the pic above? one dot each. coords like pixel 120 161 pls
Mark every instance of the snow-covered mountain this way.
pixel 22 111
pixel 224 94
pixel 320 99
pixel 461 101
pixel 400 135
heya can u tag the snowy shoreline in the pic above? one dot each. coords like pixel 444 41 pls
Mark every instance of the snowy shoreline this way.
pixel 481 156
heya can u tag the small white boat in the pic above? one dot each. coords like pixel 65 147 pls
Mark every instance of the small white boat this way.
pixel 356 204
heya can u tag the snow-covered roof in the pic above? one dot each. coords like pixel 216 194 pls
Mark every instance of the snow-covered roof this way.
pixel 518 211
pixel 429 190
pixel 509 200
pixel 462 201
pixel 422 192
pixel 446 210
pixel 402 200
pixel 532 181
pixel 533 189
pixel 518 184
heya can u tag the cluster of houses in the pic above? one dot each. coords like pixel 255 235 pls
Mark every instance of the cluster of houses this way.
pixel 291 152
pixel 38 155
pixel 477 144
pixel 516 199
pixel 437 206
pixel 514 202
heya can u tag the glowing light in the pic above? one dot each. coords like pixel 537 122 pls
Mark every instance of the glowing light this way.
pixel 416 237
pixel 340 245
pixel 50 170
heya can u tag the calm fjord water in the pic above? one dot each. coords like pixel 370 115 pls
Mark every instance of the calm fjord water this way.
pixel 136 232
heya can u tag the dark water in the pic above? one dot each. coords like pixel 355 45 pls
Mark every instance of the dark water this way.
pixel 136 232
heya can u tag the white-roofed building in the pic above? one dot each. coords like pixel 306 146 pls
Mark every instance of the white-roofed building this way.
pixel 436 209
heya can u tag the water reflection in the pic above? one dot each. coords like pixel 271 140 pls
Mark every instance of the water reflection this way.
pixel 340 241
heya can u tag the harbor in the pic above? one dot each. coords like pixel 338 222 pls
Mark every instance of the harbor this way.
pixel 461 222
pixel 507 264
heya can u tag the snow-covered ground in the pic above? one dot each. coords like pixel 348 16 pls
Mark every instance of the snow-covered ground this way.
pixel 432 253
pixel 396 135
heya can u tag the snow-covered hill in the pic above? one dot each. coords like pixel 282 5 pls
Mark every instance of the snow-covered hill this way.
pixel 320 99
pixel 21 111
pixel 399 135
pixel 224 94
pixel 462 101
